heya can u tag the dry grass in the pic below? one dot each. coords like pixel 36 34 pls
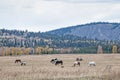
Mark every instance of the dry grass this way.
pixel 39 67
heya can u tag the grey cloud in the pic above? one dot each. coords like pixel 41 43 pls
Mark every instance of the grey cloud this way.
pixel 55 13
pixel 88 1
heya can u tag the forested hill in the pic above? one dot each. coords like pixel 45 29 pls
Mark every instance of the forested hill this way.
pixel 81 36
pixel 98 30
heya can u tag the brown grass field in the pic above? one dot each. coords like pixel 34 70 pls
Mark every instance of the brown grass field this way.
pixel 39 67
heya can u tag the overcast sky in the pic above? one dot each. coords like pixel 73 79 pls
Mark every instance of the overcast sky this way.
pixel 45 15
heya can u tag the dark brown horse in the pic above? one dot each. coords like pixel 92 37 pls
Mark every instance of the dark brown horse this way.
pixel 59 62
pixel 79 59
pixel 17 60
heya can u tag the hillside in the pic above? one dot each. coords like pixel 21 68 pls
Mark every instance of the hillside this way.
pixel 99 30
pixel 76 39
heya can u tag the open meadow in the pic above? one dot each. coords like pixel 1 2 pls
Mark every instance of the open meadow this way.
pixel 38 67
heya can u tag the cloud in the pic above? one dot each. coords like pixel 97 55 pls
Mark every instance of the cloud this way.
pixel 87 1
pixel 45 15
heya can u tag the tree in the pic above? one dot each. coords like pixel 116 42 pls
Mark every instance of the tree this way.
pixel 100 51
pixel 114 49
pixel 39 50
pixel 27 50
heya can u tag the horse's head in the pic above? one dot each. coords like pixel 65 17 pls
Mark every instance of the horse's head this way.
pixel 81 59
pixel 77 59
pixel 17 60
pixel 53 60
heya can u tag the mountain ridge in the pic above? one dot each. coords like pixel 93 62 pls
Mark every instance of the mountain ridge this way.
pixel 96 30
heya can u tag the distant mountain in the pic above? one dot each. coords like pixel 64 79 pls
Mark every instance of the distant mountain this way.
pixel 80 39
pixel 98 30
pixel 87 35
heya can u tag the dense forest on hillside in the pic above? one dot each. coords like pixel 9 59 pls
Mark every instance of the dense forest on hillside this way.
pixel 76 44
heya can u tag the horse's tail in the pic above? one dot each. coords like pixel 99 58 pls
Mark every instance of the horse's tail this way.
pixel 61 62
pixel 56 63
pixel 51 61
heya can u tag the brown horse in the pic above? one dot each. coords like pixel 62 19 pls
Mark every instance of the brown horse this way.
pixel 17 60
pixel 79 59
pixel 59 62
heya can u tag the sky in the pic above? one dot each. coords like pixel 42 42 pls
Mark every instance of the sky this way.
pixel 46 15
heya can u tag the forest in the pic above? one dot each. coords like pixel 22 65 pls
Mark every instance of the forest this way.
pixel 15 42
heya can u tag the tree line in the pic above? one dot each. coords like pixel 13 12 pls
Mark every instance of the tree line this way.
pixel 22 40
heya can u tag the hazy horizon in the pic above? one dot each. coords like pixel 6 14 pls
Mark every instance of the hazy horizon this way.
pixel 46 15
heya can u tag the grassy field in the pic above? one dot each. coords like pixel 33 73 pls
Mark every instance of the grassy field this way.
pixel 39 67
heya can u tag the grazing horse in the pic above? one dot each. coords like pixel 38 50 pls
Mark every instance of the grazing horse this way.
pixel 23 63
pixel 92 63
pixel 79 59
pixel 76 63
pixel 53 60
pixel 17 60
pixel 58 62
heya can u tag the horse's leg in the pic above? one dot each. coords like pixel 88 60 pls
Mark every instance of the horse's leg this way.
pixel 61 63
pixel 21 64
pixel 89 64
pixel 79 63
pixel 74 65
pixel 55 64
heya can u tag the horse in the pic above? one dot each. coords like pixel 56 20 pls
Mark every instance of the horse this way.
pixel 17 60
pixel 53 60
pixel 23 63
pixel 58 62
pixel 92 63
pixel 76 63
pixel 79 59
